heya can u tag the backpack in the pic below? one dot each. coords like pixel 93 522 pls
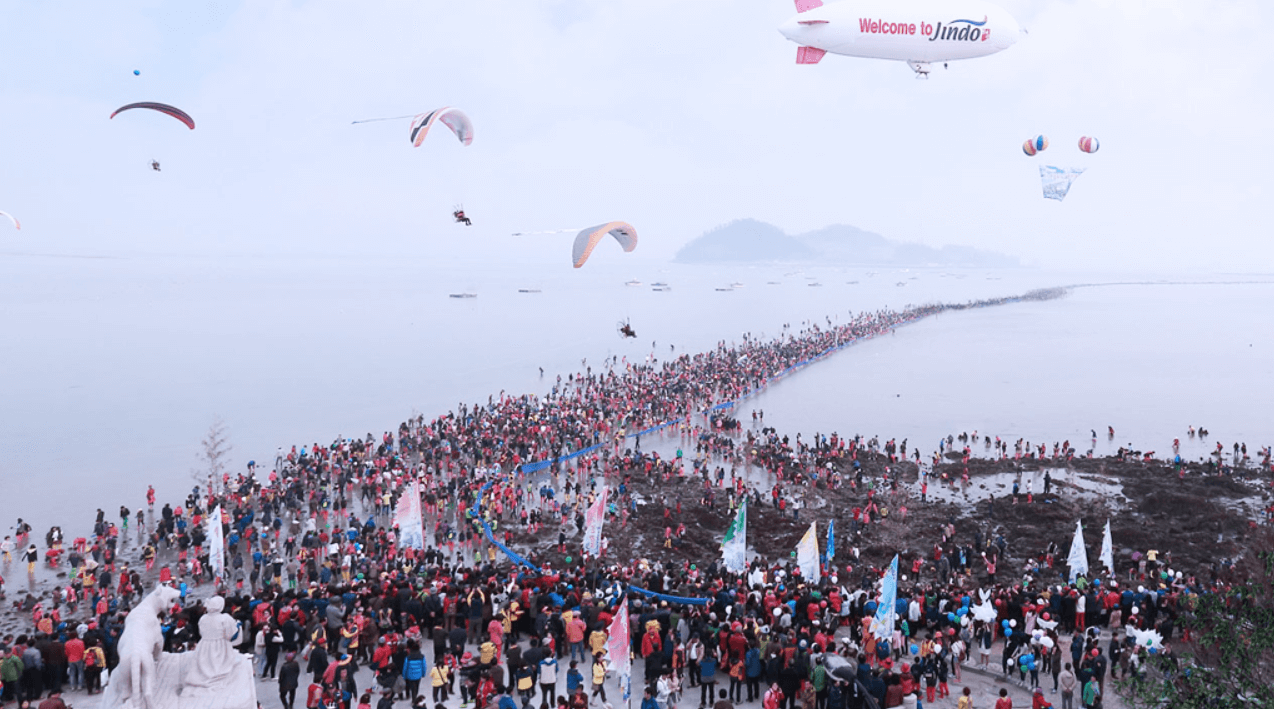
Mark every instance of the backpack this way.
pixel 882 649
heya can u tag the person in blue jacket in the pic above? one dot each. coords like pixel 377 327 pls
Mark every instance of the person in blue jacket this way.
pixel 414 669
pixel 707 678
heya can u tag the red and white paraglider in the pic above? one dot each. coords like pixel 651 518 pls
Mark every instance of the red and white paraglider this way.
pixel 162 108
pixel 453 118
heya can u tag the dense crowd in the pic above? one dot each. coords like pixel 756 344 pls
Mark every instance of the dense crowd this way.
pixel 315 573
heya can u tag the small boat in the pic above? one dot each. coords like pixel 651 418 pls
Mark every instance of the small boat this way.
pixel 736 285
pixel 633 282
pixel 659 284
pixel 815 284
pixel 773 283
pixel 725 289
pixel 661 289
pixel 900 283
pixel 852 283
pixel 528 290
pixel 463 295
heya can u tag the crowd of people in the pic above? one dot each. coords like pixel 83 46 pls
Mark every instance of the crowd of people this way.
pixel 315 572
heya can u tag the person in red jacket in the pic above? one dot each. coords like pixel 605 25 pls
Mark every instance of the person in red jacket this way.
pixel 773 697
pixel 75 660
pixel 650 641
pixel 384 655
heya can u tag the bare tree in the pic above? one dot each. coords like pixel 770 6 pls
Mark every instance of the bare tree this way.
pixel 214 453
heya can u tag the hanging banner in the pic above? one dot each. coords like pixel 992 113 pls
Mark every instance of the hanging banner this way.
pixel 829 558
pixel 807 555
pixel 618 645
pixel 216 546
pixel 593 520
pixel 882 626
pixel 409 519
pixel 734 549
pixel 1077 560
pixel 1107 556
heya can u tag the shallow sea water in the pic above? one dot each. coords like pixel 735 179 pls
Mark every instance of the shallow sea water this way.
pixel 112 369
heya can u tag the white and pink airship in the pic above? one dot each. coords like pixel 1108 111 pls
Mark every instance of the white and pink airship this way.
pixel 919 32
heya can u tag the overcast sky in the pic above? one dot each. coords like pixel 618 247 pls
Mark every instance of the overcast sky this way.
pixel 674 116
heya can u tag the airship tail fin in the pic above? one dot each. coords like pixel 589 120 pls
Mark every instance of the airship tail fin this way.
pixel 806 5
pixel 809 55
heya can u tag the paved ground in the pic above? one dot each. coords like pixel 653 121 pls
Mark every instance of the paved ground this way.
pixel 986 688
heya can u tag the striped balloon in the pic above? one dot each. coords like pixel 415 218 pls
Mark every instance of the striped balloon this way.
pixel 1088 144
pixel 1035 145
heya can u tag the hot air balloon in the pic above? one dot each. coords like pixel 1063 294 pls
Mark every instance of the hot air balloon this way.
pixel 1035 145
pixel 1088 144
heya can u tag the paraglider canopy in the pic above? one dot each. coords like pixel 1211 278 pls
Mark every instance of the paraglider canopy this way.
pixel 587 240
pixel 13 219
pixel 162 108
pixel 453 118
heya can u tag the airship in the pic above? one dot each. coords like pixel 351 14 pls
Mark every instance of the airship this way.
pixel 919 32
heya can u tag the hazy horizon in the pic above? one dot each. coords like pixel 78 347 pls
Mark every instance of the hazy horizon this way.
pixel 673 117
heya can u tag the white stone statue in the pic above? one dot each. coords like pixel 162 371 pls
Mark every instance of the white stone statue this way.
pixel 213 676
pixel 140 647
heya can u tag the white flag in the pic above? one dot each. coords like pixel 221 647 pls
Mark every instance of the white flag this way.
pixel 1078 558
pixel 409 518
pixel 734 549
pixel 1107 557
pixel 807 555
pixel 216 546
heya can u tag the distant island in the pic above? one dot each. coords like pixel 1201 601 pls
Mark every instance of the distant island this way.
pixel 749 240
